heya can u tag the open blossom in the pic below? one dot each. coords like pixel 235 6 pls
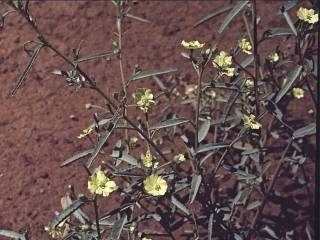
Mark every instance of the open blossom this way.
pixel 307 15
pixel 192 44
pixel 249 120
pixel 223 62
pixel 147 159
pixel 245 46
pixel 273 57
pixel 99 183
pixel 249 83
pixel 155 185
pixel 179 158
pixel 85 132
pixel 144 99
pixel 298 93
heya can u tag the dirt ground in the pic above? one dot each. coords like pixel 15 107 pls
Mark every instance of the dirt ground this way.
pixel 40 125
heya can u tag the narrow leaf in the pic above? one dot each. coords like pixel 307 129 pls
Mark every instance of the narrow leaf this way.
pixel 253 205
pixel 247 61
pixel 76 157
pixel 179 205
pixel 305 131
pixel 210 226
pixel 195 184
pixel 169 123
pixel 290 23
pixel 117 227
pixel 211 146
pixel 101 142
pixel 68 211
pixel 94 57
pixel 203 131
pixel 294 74
pixel 12 235
pixel 78 214
pixel 290 4
pixel 129 159
pixel 151 73
pixel 212 15
pixel 24 75
pixel 236 9
pixel 274 32
pixel 140 19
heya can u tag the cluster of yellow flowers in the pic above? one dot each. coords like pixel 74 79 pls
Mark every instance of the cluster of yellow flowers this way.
pixel 191 90
pixel 100 184
pixel 54 233
pixel 273 57
pixel 192 44
pixel 298 93
pixel 85 132
pixel 155 185
pixel 223 62
pixel 307 15
pixel 179 158
pixel 249 120
pixel 144 99
pixel 147 159
pixel 245 46
pixel 249 83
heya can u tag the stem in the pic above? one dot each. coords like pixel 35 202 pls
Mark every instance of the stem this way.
pixel 270 188
pixel 198 109
pixel 124 85
pixel 256 56
pixel 95 204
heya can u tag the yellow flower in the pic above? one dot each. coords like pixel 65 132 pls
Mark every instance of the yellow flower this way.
pixel 223 62
pixel 245 46
pixel 191 90
pixel 145 238
pixel 179 158
pixel 307 15
pixel 192 44
pixel 298 93
pixel 147 159
pixel 54 233
pixel 155 185
pixel 250 121
pixel 249 83
pixel 85 132
pixel 133 141
pixel 273 57
pixel 99 183
pixel 144 99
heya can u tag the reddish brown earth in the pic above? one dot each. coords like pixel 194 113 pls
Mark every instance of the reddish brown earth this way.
pixel 37 132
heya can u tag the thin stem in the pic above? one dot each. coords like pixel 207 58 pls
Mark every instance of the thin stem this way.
pixel 95 204
pixel 198 109
pixel 124 85
pixel 256 56
pixel 270 188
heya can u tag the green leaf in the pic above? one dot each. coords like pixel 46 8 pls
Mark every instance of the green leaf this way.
pixel 151 73
pixel 210 226
pixel 12 235
pixel 274 32
pixel 203 131
pixel 78 214
pixel 290 4
pixel 140 19
pixel 195 185
pixel 236 9
pixel 118 226
pixel 169 123
pixel 211 146
pixel 95 56
pixel 76 157
pixel 212 15
pixel 247 61
pixel 293 75
pixel 254 205
pixel 179 205
pixel 290 23
pixel 102 141
pixel 128 159
pixel 67 212
pixel 305 131
pixel 24 75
